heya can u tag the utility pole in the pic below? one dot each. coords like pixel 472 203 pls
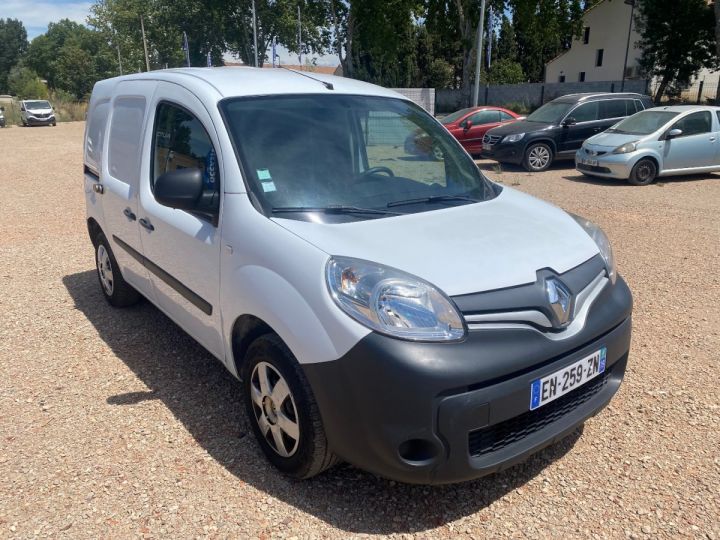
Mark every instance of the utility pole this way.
pixel 299 38
pixel 254 33
pixel 479 53
pixel 147 60
pixel 186 48
pixel 627 45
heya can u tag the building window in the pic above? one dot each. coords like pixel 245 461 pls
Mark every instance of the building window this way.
pixel 599 57
pixel 586 35
pixel 561 78
pixel 581 78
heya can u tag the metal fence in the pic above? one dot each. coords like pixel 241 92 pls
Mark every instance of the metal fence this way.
pixel 425 97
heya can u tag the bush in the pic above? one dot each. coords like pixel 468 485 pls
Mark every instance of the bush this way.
pixel 25 83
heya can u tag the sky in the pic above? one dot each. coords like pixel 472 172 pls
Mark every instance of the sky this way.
pixel 36 14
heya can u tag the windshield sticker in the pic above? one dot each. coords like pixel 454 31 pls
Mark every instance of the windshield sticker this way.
pixel 264 174
pixel 268 186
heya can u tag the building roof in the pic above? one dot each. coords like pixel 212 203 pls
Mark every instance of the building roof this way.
pixel 248 81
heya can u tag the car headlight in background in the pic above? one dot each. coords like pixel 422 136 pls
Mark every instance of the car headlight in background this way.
pixel 393 302
pixel 513 138
pixel 626 148
pixel 603 244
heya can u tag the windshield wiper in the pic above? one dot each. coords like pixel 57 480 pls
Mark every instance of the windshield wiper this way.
pixel 333 209
pixel 432 199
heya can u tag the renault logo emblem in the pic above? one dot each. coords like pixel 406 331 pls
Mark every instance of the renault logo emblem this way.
pixel 560 300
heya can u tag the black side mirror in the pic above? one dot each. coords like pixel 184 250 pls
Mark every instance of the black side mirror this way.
pixel 179 189
pixel 569 121
pixel 467 124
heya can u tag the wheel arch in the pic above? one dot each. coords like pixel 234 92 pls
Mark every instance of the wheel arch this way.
pixel 93 230
pixel 246 329
pixel 547 140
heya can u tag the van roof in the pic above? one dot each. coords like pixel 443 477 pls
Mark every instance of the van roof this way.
pixel 248 81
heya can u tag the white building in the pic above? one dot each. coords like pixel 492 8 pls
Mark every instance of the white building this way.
pixel 599 53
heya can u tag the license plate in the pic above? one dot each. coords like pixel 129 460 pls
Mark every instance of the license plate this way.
pixel 555 385
pixel 487 147
pixel 591 162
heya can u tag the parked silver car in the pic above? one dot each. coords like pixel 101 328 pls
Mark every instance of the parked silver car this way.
pixel 662 141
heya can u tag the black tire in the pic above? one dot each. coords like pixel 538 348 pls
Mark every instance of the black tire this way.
pixel 538 157
pixel 311 454
pixel 119 293
pixel 54 124
pixel 643 173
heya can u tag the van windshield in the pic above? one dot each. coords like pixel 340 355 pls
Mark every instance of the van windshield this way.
pixel 550 113
pixel 37 105
pixel 643 123
pixel 337 158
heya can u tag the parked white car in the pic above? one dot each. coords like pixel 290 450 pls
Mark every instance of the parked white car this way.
pixel 37 112
pixel 663 141
pixel 404 314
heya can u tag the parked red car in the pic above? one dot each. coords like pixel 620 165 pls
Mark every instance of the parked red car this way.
pixel 469 125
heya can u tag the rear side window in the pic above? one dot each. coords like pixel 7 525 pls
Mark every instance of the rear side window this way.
pixel 485 117
pixel 718 115
pixel 587 112
pixel 126 139
pixel 505 116
pixel 613 108
pixel 96 136
pixel 181 142
pixel 694 124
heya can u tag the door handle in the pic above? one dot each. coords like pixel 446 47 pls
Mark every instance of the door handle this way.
pixel 128 214
pixel 712 139
pixel 98 188
pixel 145 223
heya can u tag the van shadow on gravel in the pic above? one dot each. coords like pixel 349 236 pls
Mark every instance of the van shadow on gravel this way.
pixel 202 395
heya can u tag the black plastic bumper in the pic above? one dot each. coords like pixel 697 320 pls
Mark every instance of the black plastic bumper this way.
pixel 437 413
pixel 40 121
pixel 505 153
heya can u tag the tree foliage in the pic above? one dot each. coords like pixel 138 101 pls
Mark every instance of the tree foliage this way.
pixel 677 39
pixel 13 44
pixel 25 83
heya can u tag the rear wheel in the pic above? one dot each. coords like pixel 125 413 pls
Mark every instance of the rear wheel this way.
pixel 282 410
pixel 114 287
pixel 538 157
pixel 643 173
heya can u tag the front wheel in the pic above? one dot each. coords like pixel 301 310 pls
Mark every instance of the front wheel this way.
pixel 282 410
pixel 538 157
pixel 643 173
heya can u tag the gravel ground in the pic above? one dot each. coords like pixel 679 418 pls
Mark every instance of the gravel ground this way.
pixel 116 424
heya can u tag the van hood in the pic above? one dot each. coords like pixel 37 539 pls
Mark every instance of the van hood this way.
pixel 465 249
pixel 612 140
pixel 39 111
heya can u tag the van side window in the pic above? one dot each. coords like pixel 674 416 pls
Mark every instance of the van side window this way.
pixel 694 124
pixel 96 136
pixel 125 139
pixel 181 142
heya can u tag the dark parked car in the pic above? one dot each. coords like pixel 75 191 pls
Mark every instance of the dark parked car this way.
pixel 558 128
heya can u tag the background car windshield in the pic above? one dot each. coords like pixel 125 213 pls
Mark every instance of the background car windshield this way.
pixel 550 113
pixel 350 151
pixel 37 105
pixel 453 117
pixel 644 123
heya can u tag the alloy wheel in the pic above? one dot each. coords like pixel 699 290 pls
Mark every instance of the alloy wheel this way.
pixel 105 269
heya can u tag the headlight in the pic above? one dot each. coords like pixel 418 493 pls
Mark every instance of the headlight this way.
pixel 393 302
pixel 513 138
pixel 626 148
pixel 603 244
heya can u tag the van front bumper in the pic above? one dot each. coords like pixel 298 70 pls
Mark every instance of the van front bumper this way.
pixel 35 121
pixel 435 413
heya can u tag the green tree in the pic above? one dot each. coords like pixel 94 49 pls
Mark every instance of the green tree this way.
pixel 24 83
pixel 506 71
pixel 13 44
pixel 543 29
pixel 677 39
pixel 507 47
pixel 71 57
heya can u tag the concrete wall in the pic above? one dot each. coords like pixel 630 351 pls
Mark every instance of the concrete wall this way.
pixel 530 95
pixel 608 22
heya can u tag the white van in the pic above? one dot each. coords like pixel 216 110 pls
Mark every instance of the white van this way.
pixel 37 112
pixel 399 312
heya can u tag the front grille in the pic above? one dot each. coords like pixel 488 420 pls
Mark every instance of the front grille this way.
pixel 491 139
pixel 593 168
pixel 497 437
pixel 42 115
